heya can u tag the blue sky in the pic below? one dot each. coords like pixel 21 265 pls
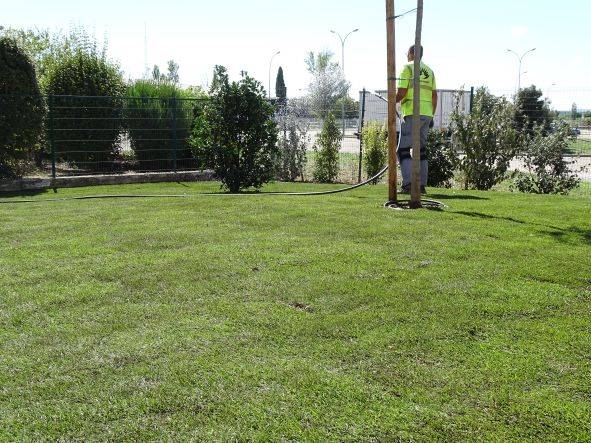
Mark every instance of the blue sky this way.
pixel 465 40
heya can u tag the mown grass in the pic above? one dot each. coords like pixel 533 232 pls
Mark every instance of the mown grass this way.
pixel 580 146
pixel 295 318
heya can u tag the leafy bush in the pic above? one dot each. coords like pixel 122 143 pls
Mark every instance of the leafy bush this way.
pixel 548 173
pixel 375 148
pixel 235 133
pixel 22 110
pixel 92 87
pixel 441 158
pixel 488 139
pixel 326 167
pixel 293 142
pixel 159 117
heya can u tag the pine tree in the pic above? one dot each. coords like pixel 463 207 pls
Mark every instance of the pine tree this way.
pixel 280 88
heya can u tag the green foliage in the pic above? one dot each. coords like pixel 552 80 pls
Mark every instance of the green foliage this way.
pixel 326 167
pixel 280 88
pixel 441 158
pixel 22 110
pixel 92 87
pixel 328 84
pixel 375 148
pixel 531 110
pixel 293 141
pixel 235 133
pixel 488 139
pixel 49 49
pixel 159 118
pixel 548 173
pixel 351 107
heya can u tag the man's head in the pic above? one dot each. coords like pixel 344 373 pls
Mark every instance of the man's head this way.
pixel 411 53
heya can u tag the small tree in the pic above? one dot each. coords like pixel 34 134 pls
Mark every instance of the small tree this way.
pixel 280 88
pixel 235 134
pixel 488 139
pixel 548 173
pixel 86 84
pixel 294 141
pixel 441 158
pixel 326 168
pixel 375 148
pixel 22 110
pixel 531 110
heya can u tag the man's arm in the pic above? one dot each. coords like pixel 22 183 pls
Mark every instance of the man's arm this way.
pixel 434 100
pixel 400 94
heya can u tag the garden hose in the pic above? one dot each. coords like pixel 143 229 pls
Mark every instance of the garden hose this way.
pixel 399 205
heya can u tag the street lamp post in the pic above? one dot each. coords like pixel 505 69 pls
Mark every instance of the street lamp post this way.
pixel 343 40
pixel 520 58
pixel 270 65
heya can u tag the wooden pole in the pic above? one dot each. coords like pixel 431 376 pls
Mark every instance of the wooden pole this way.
pixel 415 193
pixel 392 135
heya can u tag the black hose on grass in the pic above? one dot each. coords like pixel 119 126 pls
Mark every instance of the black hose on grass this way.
pixel 311 193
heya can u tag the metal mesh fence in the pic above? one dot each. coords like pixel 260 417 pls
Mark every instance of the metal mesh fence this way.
pixel 102 135
pixel 113 135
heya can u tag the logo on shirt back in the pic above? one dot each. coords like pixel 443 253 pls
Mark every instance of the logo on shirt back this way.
pixel 425 73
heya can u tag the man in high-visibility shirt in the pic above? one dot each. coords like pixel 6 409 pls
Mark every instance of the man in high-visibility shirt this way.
pixel 428 106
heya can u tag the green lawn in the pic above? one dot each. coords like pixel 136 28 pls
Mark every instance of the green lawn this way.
pixel 295 318
pixel 580 146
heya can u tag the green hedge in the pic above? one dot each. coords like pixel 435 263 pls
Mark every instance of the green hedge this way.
pixel 85 118
pixel 22 111
pixel 158 117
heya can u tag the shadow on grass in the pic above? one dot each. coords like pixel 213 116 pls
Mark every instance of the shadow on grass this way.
pixel 571 235
pixel 26 193
pixel 455 197
pixel 489 217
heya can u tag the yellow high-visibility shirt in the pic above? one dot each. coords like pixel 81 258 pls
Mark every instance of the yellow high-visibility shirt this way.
pixel 428 85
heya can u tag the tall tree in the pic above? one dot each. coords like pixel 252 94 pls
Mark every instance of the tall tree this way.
pixel 173 72
pixel 280 88
pixel 328 84
pixel 574 112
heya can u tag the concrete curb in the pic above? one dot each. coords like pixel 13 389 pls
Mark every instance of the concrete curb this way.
pixel 38 184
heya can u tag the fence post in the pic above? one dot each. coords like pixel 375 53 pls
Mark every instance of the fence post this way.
pixel 471 98
pixel 361 124
pixel 51 135
pixel 174 135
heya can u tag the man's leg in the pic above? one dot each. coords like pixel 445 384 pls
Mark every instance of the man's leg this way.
pixel 404 156
pixel 425 123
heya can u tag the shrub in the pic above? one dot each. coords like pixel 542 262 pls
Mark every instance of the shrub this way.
pixel 548 173
pixel 235 133
pixel 22 111
pixel 487 138
pixel 86 108
pixel 375 148
pixel 326 167
pixel 158 117
pixel 293 142
pixel 442 158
